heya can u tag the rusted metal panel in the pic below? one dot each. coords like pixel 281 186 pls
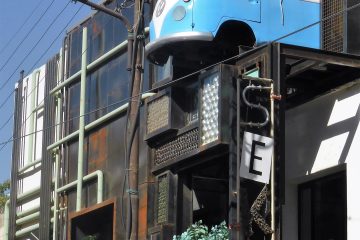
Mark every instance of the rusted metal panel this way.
pixel 97 150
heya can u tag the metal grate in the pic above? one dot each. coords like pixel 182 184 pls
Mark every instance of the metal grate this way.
pixel 333 28
pixel 177 147
pixel 158 114
pixel 163 192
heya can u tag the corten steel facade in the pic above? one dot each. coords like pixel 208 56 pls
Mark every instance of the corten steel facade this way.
pixel 192 125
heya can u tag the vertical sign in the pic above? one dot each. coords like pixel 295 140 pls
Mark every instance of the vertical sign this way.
pixel 256 157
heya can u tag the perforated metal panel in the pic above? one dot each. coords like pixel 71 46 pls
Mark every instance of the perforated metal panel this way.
pixel 333 28
pixel 177 147
pixel 163 192
pixel 158 114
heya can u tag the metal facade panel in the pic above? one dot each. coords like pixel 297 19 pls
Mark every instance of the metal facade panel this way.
pixel 15 159
pixel 333 31
pixel 47 159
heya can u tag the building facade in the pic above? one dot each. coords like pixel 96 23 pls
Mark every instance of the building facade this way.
pixel 265 141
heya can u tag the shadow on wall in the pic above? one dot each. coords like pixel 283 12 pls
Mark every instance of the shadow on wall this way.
pixel 319 133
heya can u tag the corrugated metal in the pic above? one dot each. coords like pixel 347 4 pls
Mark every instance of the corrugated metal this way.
pixel 47 160
pixel 333 28
pixel 15 159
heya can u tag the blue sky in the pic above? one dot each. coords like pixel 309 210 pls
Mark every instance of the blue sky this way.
pixel 21 16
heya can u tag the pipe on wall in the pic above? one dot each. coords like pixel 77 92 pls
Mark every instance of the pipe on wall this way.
pixel 111 53
pixel 81 121
pixel 100 177
pixel 96 123
pixel 57 162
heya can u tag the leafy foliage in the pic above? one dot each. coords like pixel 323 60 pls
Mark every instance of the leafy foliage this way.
pixel 198 231
pixel 4 194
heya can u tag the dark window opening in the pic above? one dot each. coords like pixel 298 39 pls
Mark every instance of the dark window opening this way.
pixel 94 223
pixel 322 208
pixel 205 188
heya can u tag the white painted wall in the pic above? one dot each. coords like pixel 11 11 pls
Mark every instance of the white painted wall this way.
pixel 1 226
pixel 31 89
pixel 321 137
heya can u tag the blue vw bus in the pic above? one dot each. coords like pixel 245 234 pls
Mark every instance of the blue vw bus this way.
pixel 202 29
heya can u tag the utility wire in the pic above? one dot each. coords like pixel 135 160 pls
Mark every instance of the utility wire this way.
pixel 64 28
pixel 25 37
pixel 126 100
pixel 7 121
pixel 21 27
pixel 38 60
pixel 57 37
pixel 36 44
pixel 172 82
pixel 6 99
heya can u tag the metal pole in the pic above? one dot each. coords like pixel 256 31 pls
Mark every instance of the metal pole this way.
pixel 57 166
pixel 133 119
pixel 272 118
pixel 108 11
pixel 96 123
pixel 81 121
pixel 123 19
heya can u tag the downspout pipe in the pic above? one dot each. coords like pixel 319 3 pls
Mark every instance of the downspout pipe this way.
pixel 57 166
pixel 100 178
pixel 81 121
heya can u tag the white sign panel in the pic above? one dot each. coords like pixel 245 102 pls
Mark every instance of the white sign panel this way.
pixel 256 157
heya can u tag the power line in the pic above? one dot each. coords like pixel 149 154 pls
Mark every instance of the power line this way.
pixel 21 27
pixel 36 44
pixel 7 121
pixel 169 83
pixel 6 99
pixel 38 60
pixel 122 101
pixel 25 37
pixel 72 18
pixel 57 37
pixel 64 28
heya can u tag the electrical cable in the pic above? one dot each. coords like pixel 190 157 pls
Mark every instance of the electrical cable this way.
pixel 317 22
pixel 26 35
pixel 11 39
pixel 36 44
pixel 56 38
pixel 7 99
pixel 52 43
pixel 169 83
pixel 131 132
pixel 7 121
pixel 64 28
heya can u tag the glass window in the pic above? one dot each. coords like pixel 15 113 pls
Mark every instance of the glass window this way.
pixel 107 88
pixel 75 51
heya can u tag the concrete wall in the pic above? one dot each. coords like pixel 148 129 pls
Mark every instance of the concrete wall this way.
pixel 322 137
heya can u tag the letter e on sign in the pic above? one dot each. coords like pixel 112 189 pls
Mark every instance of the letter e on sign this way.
pixel 256 157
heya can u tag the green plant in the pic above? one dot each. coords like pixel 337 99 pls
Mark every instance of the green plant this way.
pixel 4 194
pixel 198 231
pixel 90 237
